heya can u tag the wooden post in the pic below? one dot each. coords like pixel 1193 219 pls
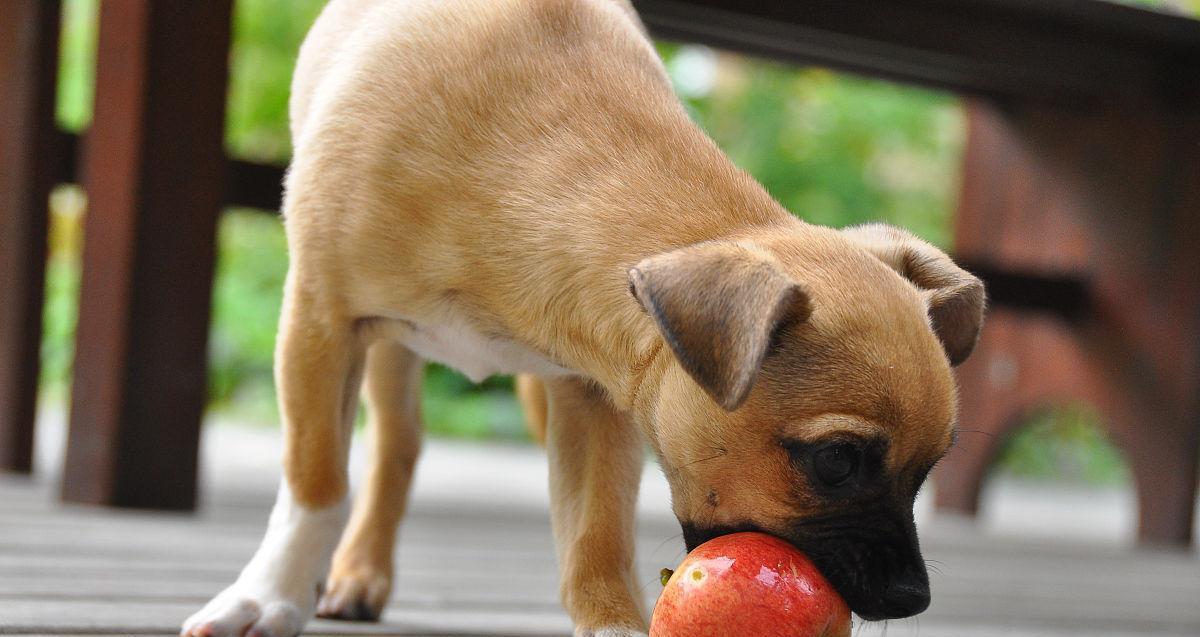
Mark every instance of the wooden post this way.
pixel 29 155
pixel 155 172
pixel 1114 193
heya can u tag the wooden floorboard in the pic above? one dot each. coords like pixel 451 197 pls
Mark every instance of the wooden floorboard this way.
pixel 489 570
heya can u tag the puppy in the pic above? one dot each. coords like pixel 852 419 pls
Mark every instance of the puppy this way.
pixel 511 187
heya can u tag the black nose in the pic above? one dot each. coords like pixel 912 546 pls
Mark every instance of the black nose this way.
pixel 904 600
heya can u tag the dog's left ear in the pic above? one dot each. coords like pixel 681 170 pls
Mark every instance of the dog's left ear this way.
pixel 955 297
pixel 718 305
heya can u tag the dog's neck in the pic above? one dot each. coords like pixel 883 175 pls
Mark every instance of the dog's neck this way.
pixel 617 343
pixel 647 181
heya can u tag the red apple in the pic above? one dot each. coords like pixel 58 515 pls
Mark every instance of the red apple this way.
pixel 749 585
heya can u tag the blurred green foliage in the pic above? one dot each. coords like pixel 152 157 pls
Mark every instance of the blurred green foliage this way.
pixel 246 299
pixel 266 38
pixel 77 74
pixel 62 287
pixel 1062 443
pixel 1184 7
pixel 835 149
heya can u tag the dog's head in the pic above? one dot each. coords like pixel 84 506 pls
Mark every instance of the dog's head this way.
pixel 810 394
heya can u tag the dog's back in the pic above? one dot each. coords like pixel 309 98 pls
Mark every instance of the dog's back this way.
pixel 417 35
pixel 424 130
pixel 411 103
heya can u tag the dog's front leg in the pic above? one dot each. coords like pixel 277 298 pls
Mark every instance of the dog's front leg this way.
pixel 318 371
pixel 595 467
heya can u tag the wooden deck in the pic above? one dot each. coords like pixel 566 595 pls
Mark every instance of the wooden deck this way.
pixel 477 564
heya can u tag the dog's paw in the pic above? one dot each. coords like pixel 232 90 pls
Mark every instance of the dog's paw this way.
pixel 357 595
pixel 234 613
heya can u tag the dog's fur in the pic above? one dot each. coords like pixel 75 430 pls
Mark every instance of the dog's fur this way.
pixel 511 187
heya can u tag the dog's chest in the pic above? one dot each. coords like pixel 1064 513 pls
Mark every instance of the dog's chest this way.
pixel 455 343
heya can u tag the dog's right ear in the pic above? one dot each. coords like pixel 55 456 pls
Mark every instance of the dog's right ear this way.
pixel 717 305
pixel 955 297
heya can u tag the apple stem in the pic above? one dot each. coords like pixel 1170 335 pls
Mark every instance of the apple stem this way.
pixel 665 575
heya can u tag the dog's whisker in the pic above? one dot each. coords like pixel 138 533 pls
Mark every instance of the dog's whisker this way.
pixel 958 443
pixel 977 431
pixel 720 452
pixel 651 582
pixel 677 536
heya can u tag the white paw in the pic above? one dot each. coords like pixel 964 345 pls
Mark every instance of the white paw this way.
pixel 276 594
pixel 239 613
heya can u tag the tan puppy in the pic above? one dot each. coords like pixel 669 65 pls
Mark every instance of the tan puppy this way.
pixel 510 186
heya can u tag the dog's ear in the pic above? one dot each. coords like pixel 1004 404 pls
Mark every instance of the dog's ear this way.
pixel 955 297
pixel 718 306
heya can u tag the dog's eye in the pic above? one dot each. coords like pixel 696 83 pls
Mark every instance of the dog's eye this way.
pixel 835 463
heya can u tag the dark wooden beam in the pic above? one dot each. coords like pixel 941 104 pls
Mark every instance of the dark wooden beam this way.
pixel 252 185
pixel 1044 50
pixel 1064 294
pixel 67 165
pixel 246 184
pixel 29 145
pixel 155 172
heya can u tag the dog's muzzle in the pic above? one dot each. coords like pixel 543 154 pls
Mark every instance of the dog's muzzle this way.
pixel 873 560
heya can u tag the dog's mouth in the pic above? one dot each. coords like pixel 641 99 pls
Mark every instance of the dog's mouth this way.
pixel 879 578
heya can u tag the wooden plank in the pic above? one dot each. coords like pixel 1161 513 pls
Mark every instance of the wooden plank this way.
pixel 1073 588
pixel 1040 50
pixel 29 146
pixel 134 617
pixel 155 171
pixel 1037 615
pixel 117 574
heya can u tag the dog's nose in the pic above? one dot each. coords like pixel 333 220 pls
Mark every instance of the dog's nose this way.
pixel 905 600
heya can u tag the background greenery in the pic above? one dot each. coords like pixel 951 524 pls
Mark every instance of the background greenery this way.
pixel 835 149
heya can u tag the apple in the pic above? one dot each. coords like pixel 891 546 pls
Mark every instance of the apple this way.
pixel 748 585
